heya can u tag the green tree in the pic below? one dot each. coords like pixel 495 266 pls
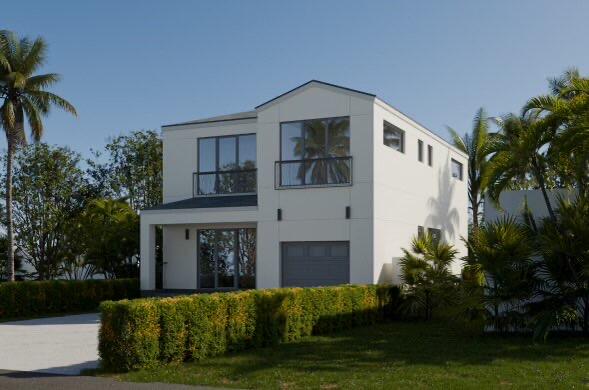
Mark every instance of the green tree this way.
pixel 426 273
pixel 23 97
pixel 501 260
pixel 521 148
pixel 109 230
pixel 477 145
pixel 49 191
pixel 132 170
pixel 4 258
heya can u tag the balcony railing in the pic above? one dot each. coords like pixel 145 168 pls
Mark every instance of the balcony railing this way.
pixel 241 181
pixel 316 172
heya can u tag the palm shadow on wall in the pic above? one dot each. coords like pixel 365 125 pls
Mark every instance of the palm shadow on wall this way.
pixel 441 213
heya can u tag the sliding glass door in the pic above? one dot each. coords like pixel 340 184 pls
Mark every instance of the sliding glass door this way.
pixel 226 258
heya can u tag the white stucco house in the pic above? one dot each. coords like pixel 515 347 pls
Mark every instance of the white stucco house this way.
pixel 320 185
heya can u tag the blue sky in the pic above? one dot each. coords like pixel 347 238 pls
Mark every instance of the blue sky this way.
pixel 129 65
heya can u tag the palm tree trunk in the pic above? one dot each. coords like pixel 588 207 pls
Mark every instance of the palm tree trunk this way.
pixel 9 223
pixel 540 178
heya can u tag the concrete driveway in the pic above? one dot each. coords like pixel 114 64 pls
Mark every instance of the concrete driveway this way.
pixel 56 345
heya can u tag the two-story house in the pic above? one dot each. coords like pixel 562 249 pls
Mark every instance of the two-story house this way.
pixel 321 185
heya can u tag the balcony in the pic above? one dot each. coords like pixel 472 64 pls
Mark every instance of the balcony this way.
pixel 228 182
pixel 316 172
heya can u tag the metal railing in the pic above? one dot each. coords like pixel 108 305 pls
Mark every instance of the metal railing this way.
pixel 238 181
pixel 315 172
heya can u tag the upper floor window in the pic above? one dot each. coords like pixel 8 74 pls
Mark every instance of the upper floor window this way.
pixel 226 164
pixel 456 169
pixel 314 152
pixel 420 150
pixel 393 137
pixel 430 155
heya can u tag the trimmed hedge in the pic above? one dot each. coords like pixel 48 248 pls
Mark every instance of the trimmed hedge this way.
pixel 38 298
pixel 148 332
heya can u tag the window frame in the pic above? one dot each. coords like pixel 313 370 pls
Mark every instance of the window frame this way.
pixel 454 162
pixel 217 170
pixel 420 150
pixel 402 147
pixel 430 155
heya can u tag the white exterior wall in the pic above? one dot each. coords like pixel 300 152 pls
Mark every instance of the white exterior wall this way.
pixel 409 193
pixel 511 203
pixel 391 194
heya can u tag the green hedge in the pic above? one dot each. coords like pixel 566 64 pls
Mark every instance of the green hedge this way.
pixel 38 298
pixel 147 332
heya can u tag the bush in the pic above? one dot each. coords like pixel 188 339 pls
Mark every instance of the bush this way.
pixel 147 332
pixel 38 298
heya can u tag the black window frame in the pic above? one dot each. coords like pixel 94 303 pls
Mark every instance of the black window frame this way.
pixel 453 163
pixel 420 150
pixel 430 155
pixel 218 171
pixel 384 125
pixel 237 260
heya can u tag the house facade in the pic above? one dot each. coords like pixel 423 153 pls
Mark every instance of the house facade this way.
pixel 321 185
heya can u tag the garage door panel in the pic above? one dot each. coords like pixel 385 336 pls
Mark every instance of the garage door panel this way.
pixel 306 264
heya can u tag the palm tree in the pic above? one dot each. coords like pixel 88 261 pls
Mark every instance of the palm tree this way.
pixel 477 145
pixel 23 96
pixel 521 148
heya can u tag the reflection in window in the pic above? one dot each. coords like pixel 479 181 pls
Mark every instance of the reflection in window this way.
pixel 456 169
pixel 226 165
pixel 311 152
pixel 227 258
pixel 435 234
pixel 393 137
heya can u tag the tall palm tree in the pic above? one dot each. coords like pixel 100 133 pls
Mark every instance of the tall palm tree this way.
pixel 478 146
pixel 24 97
pixel 521 148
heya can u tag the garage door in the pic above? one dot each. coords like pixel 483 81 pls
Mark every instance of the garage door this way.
pixel 317 263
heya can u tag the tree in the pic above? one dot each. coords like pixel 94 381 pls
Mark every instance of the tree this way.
pixel 23 96
pixel 522 147
pixel 478 146
pixel 425 270
pixel 502 253
pixel 109 230
pixel 133 169
pixel 49 191
pixel 4 257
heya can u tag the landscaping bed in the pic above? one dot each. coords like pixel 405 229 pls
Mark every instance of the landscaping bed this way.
pixel 391 355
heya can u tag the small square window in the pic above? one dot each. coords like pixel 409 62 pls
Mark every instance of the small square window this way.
pixel 393 137
pixel 420 232
pixel 456 169
pixel 420 150
pixel 435 234
pixel 430 155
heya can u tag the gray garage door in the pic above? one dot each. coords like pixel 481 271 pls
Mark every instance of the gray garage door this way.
pixel 317 263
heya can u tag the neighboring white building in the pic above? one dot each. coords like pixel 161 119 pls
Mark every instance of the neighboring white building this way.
pixel 320 185
pixel 513 203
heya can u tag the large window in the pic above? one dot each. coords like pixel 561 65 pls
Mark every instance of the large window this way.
pixel 314 152
pixel 456 169
pixel 393 137
pixel 226 165
pixel 227 258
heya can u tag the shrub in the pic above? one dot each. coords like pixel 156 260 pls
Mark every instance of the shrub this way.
pixel 38 298
pixel 146 332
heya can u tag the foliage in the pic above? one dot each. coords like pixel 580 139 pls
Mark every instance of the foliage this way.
pixel 425 270
pixel 501 261
pixel 477 145
pixel 23 96
pixel 133 169
pixel 37 298
pixel 563 290
pixel 3 259
pixel 49 192
pixel 146 332
pixel 109 233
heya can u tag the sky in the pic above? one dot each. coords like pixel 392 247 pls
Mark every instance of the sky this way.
pixel 132 65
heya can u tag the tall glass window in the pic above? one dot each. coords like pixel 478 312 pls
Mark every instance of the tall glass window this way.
pixel 226 165
pixel 315 152
pixel 227 258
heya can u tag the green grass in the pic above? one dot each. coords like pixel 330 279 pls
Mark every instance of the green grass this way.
pixel 393 355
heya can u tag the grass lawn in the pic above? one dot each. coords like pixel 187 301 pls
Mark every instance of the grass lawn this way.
pixel 394 355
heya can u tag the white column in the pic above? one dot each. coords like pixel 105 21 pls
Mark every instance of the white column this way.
pixel 147 270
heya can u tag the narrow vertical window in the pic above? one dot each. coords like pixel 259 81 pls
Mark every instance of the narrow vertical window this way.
pixel 420 150
pixel 430 155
